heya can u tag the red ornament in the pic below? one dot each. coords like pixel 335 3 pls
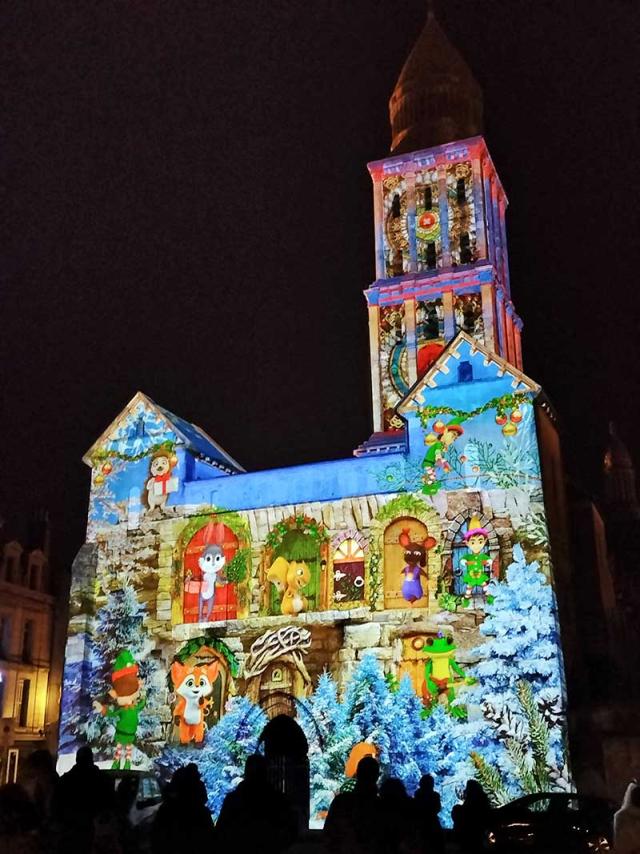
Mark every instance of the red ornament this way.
pixel 439 426
pixel 516 416
pixel 427 220
pixel 501 419
pixel 463 459
pixel 107 468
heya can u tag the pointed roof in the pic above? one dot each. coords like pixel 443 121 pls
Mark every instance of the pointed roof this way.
pixel 440 370
pixel 143 424
pixel 436 99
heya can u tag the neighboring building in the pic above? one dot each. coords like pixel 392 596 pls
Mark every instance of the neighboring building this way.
pixel 30 662
pixel 401 598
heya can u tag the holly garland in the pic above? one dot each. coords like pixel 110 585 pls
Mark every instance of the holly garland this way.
pixel 102 454
pixel 501 404
pixel 303 524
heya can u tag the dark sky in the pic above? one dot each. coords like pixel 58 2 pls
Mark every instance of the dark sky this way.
pixel 190 215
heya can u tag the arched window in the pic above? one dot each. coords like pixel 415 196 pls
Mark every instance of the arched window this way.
pixel 455 548
pixel 295 543
pixel 406 583
pixel 209 595
pixel 348 572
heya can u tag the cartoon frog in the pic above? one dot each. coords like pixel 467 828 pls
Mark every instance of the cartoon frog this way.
pixel 439 671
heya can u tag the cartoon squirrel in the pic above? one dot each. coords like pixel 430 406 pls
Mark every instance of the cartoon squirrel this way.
pixel 289 577
pixel 415 555
pixel 192 685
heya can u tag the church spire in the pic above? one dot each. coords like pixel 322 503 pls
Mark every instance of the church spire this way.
pixel 436 99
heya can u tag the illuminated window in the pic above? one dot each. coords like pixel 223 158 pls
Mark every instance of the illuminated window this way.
pixel 348 572
pixel 215 597
pixel 461 210
pixel 22 701
pixel 428 238
pixel 429 332
pixel 396 227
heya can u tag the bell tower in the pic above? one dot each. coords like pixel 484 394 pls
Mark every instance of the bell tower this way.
pixel 440 237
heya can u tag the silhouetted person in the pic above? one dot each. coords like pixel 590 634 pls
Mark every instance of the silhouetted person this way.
pixel 19 824
pixel 354 820
pixel 399 830
pixel 471 817
pixel 183 822
pixel 626 822
pixel 81 794
pixel 39 779
pixel 256 817
pixel 428 806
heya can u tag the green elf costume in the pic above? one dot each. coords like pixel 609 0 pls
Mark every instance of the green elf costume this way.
pixel 445 436
pixel 126 693
pixel 476 561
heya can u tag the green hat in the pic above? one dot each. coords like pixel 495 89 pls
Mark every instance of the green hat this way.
pixel 124 665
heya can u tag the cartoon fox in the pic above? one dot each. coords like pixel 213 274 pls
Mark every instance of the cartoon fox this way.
pixel 192 685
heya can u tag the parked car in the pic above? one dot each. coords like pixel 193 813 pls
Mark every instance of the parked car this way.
pixel 148 794
pixel 553 823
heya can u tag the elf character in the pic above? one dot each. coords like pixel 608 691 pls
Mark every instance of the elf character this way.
pixel 434 460
pixel 439 670
pixel 160 484
pixel 476 562
pixel 126 694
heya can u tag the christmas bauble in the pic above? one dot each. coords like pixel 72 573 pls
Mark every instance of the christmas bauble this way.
pixel 509 430
pixel 438 426
pixel 173 460
pixel 430 438
pixel 501 419
pixel 98 479
pixel 107 468
pixel 516 416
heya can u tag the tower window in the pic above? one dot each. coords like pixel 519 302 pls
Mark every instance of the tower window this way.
pixel 461 191
pixel 466 256
pixel 27 641
pixel 395 206
pixel 465 372
pixel 428 199
pixel 430 255
pixel 22 701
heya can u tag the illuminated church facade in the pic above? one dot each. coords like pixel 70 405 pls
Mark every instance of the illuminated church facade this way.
pixel 399 602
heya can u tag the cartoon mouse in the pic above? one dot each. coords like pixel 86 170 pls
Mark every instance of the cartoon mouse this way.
pixel 415 555
pixel 211 563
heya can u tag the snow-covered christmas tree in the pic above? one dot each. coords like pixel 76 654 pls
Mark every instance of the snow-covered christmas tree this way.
pixel 226 747
pixel 519 745
pixel 118 626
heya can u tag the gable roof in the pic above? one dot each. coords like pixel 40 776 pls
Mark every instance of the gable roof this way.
pixel 440 370
pixel 189 435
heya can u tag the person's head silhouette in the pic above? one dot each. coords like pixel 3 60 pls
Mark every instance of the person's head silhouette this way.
pixel 367 773
pixel 84 757
pixel 255 769
pixel 427 783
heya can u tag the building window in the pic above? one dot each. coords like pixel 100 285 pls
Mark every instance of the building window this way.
pixel 5 635
pixel 27 641
pixel 466 256
pixel 22 701
pixel 348 572
pixel 10 568
pixel 34 576
pixel 406 555
pixel 12 765
pixel 465 372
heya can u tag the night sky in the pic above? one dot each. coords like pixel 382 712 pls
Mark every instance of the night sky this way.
pixel 190 215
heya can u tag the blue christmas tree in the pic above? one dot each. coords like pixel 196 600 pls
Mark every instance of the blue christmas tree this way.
pixel 448 745
pixel 369 706
pixel 409 750
pixel 519 743
pixel 119 626
pixel 226 748
pixel 330 737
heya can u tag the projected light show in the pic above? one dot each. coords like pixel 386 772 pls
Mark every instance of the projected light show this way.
pixel 398 603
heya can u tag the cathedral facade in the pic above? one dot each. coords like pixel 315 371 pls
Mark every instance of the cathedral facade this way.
pixel 400 602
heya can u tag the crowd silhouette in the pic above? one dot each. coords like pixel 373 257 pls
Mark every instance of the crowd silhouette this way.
pixel 84 812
